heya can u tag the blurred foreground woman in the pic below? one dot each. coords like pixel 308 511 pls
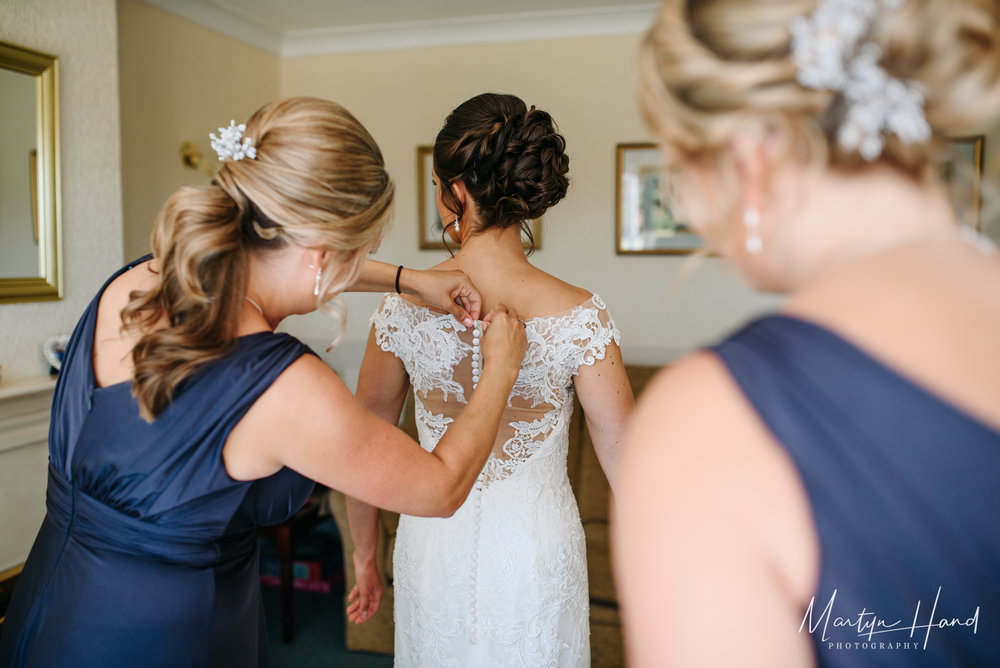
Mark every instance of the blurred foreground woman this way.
pixel 822 486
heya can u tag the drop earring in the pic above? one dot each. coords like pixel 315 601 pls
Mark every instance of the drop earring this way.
pixel 457 228
pixel 319 276
pixel 751 221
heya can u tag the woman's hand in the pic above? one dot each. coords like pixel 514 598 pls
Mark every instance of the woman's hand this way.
pixel 450 290
pixel 366 596
pixel 504 340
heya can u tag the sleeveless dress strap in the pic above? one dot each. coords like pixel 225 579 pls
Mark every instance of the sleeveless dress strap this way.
pixel 72 395
pixel 904 488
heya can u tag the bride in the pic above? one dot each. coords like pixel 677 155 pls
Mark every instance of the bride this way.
pixel 503 582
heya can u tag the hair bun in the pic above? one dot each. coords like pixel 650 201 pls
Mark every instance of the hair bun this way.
pixel 530 177
pixel 510 157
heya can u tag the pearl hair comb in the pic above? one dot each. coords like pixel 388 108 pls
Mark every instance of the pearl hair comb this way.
pixel 831 53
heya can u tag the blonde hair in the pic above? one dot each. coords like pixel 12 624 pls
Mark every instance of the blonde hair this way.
pixel 706 63
pixel 318 180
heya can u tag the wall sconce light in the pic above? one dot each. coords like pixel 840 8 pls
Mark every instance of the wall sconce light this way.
pixel 192 158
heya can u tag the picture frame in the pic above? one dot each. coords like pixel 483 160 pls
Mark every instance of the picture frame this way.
pixel 644 224
pixel 964 188
pixel 429 224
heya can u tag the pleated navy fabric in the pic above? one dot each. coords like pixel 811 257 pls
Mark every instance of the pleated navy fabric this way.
pixel 147 555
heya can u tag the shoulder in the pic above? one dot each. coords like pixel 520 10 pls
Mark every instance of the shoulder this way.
pixel 304 375
pixel 552 295
pixel 113 345
pixel 696 442
pixel 140 276
pixel 397 309
pixel 698 387
pixel 709 515
pixel 563 296
pixel 394 306
pixel 302 407
pixel 697 402
pixel 303 392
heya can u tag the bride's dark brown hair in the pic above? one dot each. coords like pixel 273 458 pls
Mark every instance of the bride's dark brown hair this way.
pixel 318 180
pixel 510 158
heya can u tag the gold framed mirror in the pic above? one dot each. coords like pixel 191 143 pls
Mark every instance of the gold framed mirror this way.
pixel 30 226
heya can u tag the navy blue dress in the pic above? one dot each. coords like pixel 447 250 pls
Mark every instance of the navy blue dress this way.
pixel 905 496
pixel 147 555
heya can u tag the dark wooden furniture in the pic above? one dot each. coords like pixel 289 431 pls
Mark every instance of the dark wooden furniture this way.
pixel 285 536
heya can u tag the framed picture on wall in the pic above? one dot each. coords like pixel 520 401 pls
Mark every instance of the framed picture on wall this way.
pixel 644 222
pixel 962 174
pixel 429 225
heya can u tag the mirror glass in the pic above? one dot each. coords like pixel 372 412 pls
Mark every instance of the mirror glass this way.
pixel 29 176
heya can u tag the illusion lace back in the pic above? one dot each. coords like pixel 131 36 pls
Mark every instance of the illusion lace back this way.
pixel 503 582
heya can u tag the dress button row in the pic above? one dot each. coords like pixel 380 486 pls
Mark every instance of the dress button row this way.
pixel 477 359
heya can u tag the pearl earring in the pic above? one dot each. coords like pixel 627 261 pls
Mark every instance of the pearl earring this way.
pixel 751 221
pixel 319 275
pixel 457 228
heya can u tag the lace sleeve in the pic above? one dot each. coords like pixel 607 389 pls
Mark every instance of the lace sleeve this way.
pixel 385 322
pixel 596 331
pixel 426 343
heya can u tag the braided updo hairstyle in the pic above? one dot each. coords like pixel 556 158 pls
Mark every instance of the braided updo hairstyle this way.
pixel 706 63
pixel 318 181
pixel 510 158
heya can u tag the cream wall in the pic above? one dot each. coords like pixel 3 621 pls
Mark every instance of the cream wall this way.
pixel 587 84
pixel 82 34
pixel 179 81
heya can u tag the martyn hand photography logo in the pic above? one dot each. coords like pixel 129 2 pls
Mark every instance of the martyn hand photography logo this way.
pixel 872 632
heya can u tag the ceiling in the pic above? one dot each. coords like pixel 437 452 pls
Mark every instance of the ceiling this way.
pixel 308 27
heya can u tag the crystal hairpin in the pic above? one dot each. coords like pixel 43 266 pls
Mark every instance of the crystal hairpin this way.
pixel 829 50
pixel 231 144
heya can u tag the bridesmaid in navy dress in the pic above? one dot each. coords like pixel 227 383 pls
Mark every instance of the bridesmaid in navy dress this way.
pixel 823 486
pixel 182 421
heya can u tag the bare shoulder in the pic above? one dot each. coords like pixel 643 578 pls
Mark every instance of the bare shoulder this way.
pixel 305 382
pixel 304 392
pixel 112 345
pixel 710 450
pixel 710 519
pixel 116 296
pixel 686 398
pixel 301 402
pixel 553 295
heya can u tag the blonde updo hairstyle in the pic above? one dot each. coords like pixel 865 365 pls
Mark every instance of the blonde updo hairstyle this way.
pixel 706 65
pixel 318 181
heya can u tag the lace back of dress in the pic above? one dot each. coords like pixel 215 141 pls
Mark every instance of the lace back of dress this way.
pixel 437 353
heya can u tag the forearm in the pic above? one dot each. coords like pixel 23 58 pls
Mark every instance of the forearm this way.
pixel 362 519
pixel 378 276
pixel 467 444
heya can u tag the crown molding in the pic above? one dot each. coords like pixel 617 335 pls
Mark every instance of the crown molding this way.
pixel 221 19
pixel 516 27
pixel 553 24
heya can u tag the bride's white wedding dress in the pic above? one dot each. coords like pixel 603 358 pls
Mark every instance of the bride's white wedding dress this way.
pixel 503 582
